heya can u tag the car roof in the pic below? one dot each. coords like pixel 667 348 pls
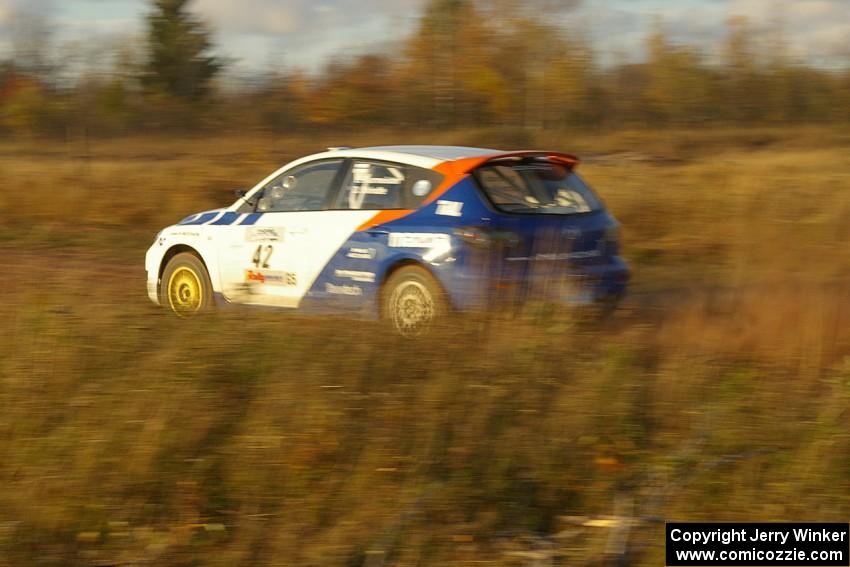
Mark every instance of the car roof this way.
pixel 442 153
pixel 427 157
pixel 462 158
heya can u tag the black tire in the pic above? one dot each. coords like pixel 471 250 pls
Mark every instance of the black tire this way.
pixel 185 288
pixel 412 301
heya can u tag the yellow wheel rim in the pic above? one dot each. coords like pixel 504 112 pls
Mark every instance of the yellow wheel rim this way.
pixel 185 294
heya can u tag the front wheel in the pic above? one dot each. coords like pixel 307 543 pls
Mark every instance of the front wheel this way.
pixel 185 287
pixel 412 300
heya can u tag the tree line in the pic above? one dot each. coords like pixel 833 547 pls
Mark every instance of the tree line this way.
pixel 468 63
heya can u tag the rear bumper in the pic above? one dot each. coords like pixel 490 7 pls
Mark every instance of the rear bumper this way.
pixel 605 281
pixel 602 282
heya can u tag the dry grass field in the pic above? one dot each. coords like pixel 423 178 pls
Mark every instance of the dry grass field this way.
pixel 720 391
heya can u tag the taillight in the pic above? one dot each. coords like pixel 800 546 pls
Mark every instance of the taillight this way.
pixel 474 236
pixel 611 239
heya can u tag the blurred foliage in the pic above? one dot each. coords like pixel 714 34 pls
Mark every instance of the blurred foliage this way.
pixel 718 392
pixel 467 63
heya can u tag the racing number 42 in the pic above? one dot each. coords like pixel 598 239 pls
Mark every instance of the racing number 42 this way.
pixel 262 255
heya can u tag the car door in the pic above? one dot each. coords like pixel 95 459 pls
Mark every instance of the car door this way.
pixel 375 192
pixel 275 255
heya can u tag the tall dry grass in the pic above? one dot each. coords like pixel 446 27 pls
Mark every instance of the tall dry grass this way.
pixel 719 391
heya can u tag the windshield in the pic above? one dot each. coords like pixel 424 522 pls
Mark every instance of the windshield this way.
pixel 536 186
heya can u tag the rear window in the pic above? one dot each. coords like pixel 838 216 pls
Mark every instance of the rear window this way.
pixel 537 187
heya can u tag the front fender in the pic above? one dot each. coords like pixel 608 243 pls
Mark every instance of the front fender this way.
pixel 172 241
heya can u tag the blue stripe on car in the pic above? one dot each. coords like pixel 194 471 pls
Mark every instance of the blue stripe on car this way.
pixel 251 219
pixel 226 219
pixel 201 219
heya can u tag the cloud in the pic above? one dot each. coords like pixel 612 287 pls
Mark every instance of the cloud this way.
pixel 307 17
pixel 9 8
pixel 305 32
pixel 5 16
pixel 12 11
pixel 619 29
pixel 815 31
pixel 260 17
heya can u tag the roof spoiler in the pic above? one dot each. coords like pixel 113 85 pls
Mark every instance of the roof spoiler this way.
pixel 465 165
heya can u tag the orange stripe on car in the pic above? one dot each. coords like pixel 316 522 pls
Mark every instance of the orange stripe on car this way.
pixel 384 217
pixel 450 179
pixel 454 172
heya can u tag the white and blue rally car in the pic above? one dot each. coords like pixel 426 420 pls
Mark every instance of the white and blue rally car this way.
pixel 403 233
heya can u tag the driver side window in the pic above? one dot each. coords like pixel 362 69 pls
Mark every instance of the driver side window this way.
pixel 305 188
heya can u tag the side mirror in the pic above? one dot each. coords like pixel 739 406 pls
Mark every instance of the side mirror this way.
pixel 241 193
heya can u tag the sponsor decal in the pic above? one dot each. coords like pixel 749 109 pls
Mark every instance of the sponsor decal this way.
pixel 367 277
pixel 268 277
pixel 183 233
pixel 362 174
pixel 449 208
pixel 263 234
pixel 351 290
pixel 362 253
pixel 419 240
pixel 439 244
pixel 363 183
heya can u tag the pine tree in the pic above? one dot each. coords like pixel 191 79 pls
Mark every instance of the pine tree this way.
pixel 179 60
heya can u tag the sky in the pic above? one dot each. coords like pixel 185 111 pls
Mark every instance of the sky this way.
pixel 276 34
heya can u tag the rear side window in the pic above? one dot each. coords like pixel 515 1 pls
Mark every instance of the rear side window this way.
pixel 536 187
pixel 377 185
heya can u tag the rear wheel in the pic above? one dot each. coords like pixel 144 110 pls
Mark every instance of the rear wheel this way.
pixel 185 287
pixel 412 300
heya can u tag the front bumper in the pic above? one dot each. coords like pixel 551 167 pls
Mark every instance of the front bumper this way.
pixel 152 260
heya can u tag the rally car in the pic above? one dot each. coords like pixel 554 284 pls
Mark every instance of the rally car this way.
pixel 403 233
